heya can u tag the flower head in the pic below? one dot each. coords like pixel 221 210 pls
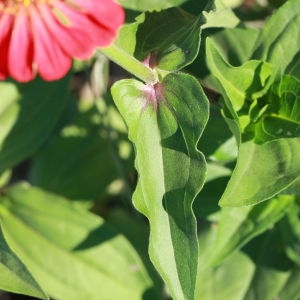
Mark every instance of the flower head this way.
pixel 42 36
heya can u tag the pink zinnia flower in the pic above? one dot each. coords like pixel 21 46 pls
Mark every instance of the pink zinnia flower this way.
pixel 42 36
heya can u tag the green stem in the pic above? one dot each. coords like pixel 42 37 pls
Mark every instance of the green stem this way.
pixel 130 64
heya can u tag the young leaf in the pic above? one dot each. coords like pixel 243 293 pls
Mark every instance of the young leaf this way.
pixel 14 276
pixel 262 171
pixel 279 40
pixel 239 83
pixel 168 40
pixel 71 253
pixel 283 115
pixel 165 122
pixel 29 114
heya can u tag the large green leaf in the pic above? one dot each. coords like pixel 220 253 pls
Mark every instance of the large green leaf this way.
pixel 262 171
pixel 165 122
pixel 71 253
pixel 279 40
pixel 136 230
pixel 28 113
pixel 79 162
pixel 14 276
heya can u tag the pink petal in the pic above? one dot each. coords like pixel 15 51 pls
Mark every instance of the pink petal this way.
pixel 6 22
pixel 73 40
pixel 33 39
pixel 52 62
pixel 107 14
pixel 104 11
pixel 20 52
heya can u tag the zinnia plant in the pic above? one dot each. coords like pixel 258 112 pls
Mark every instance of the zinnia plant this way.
pixel 178 179
pixel 42 36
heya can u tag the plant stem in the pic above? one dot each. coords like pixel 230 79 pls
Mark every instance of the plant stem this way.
pixel 130 64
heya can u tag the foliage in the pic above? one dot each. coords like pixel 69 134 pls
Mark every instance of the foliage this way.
pixel 203 136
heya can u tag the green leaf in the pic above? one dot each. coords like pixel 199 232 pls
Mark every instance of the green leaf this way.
pixel 5 177
pixel 233 3
pixel 215 170
pixel 136 231
pixel 227 152
pixel 14 276
pixel 260 271
pixel 239 83
pixel 126 39
pixel 283 115
pixel 273 268
pixel 216 148
pixel 294 67
pixel 233 45
pixel 206 204
pixel 28 113
pixel 279 40
pixel 142 5
pixel 293 189
pixel 291 289
pixel 228 281
pixel 78 163
pixel 167 40
pixel 8 109
pixel 290 231
pixel 73 254
pixel 262 171
pixel 165 122
pixel 238 225
pixel 220 17
pixel 263 113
